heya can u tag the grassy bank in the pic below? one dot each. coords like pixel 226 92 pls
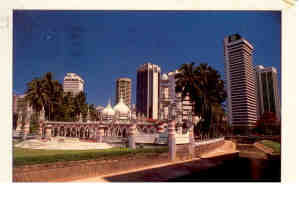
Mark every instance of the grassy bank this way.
pixel 273 145
pixel 23 156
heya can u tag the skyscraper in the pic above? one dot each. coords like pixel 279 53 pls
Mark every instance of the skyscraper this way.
pixel 147 91
pixel 240 81
pixel 267 90
pixel 73 83
pixel 123 90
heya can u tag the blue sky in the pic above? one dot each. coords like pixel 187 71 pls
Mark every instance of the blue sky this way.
pixel 102 46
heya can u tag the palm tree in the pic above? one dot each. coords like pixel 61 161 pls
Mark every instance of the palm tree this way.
pixel 80 103
pixel 212 93
pixel 69 107
pixel 92 112
pixel 50 90
pixel 187 81
pixel 45 93
pixel 36 94
pixel 205 88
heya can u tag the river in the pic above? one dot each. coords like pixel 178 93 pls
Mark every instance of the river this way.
pixel 250 166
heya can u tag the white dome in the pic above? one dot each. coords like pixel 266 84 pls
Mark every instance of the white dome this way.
pixel 121 107
pixel 164 77
pixel 108 110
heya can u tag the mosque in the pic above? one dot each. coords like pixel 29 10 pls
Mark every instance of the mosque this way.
pixel 114 124
pixel 120 112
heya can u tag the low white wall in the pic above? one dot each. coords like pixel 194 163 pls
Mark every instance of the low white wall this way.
pixel 208 141
pixel 182 139
pixel 146 138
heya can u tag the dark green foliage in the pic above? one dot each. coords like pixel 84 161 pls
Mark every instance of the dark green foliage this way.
pixel 268 124
pixel 59 106
pixel 205 88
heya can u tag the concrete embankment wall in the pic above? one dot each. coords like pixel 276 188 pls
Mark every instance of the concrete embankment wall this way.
pixel 206 148
pixel 64 171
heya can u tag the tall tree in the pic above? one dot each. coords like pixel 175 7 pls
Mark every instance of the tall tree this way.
pixel 212 95
pixel 93 113
pixel 36 94
pixel 187 81
pixel 80 104
pixel 69 107
pixel 205 88
pixel 54 92
pixel 45 92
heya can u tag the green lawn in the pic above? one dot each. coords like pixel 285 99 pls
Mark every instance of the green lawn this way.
pixel 273 145
pixel 23 156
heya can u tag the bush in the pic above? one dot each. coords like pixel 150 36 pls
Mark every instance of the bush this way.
pixel 273 145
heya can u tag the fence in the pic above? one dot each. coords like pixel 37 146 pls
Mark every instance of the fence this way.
pixel 182 148
pixel 203 142
pixel 160 138
pixel 146 139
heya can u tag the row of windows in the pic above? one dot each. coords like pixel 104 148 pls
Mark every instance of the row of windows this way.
pixel 241 49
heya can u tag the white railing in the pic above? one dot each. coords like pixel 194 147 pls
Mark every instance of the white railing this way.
pixel 161 138
pixel 146 138
pixel 209 141
pixel 182 139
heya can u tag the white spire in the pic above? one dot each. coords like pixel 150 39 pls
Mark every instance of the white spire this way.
pixel 121 107
pixel 108 109
pixel 121 100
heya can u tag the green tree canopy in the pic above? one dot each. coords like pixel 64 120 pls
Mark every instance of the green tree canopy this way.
pixel 204 86
pixel 47 93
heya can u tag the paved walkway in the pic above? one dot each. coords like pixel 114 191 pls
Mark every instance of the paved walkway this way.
pixel 164 172
pixel 61 143
pixel 227 148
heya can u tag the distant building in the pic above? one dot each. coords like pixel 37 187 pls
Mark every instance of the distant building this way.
pixel 14 103
pixel 73 83
pixel 171 77
pixel 20 105
pixel 171 104
pixel 124 91
pixel 267 90
pixel 165 99
pixel 240 81
pixel 148 90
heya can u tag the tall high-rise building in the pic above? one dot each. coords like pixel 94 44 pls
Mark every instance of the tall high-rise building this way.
pixel 148 90
pixel 267 90
pixel 124 90
pixel 73 83
pixel 240 81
